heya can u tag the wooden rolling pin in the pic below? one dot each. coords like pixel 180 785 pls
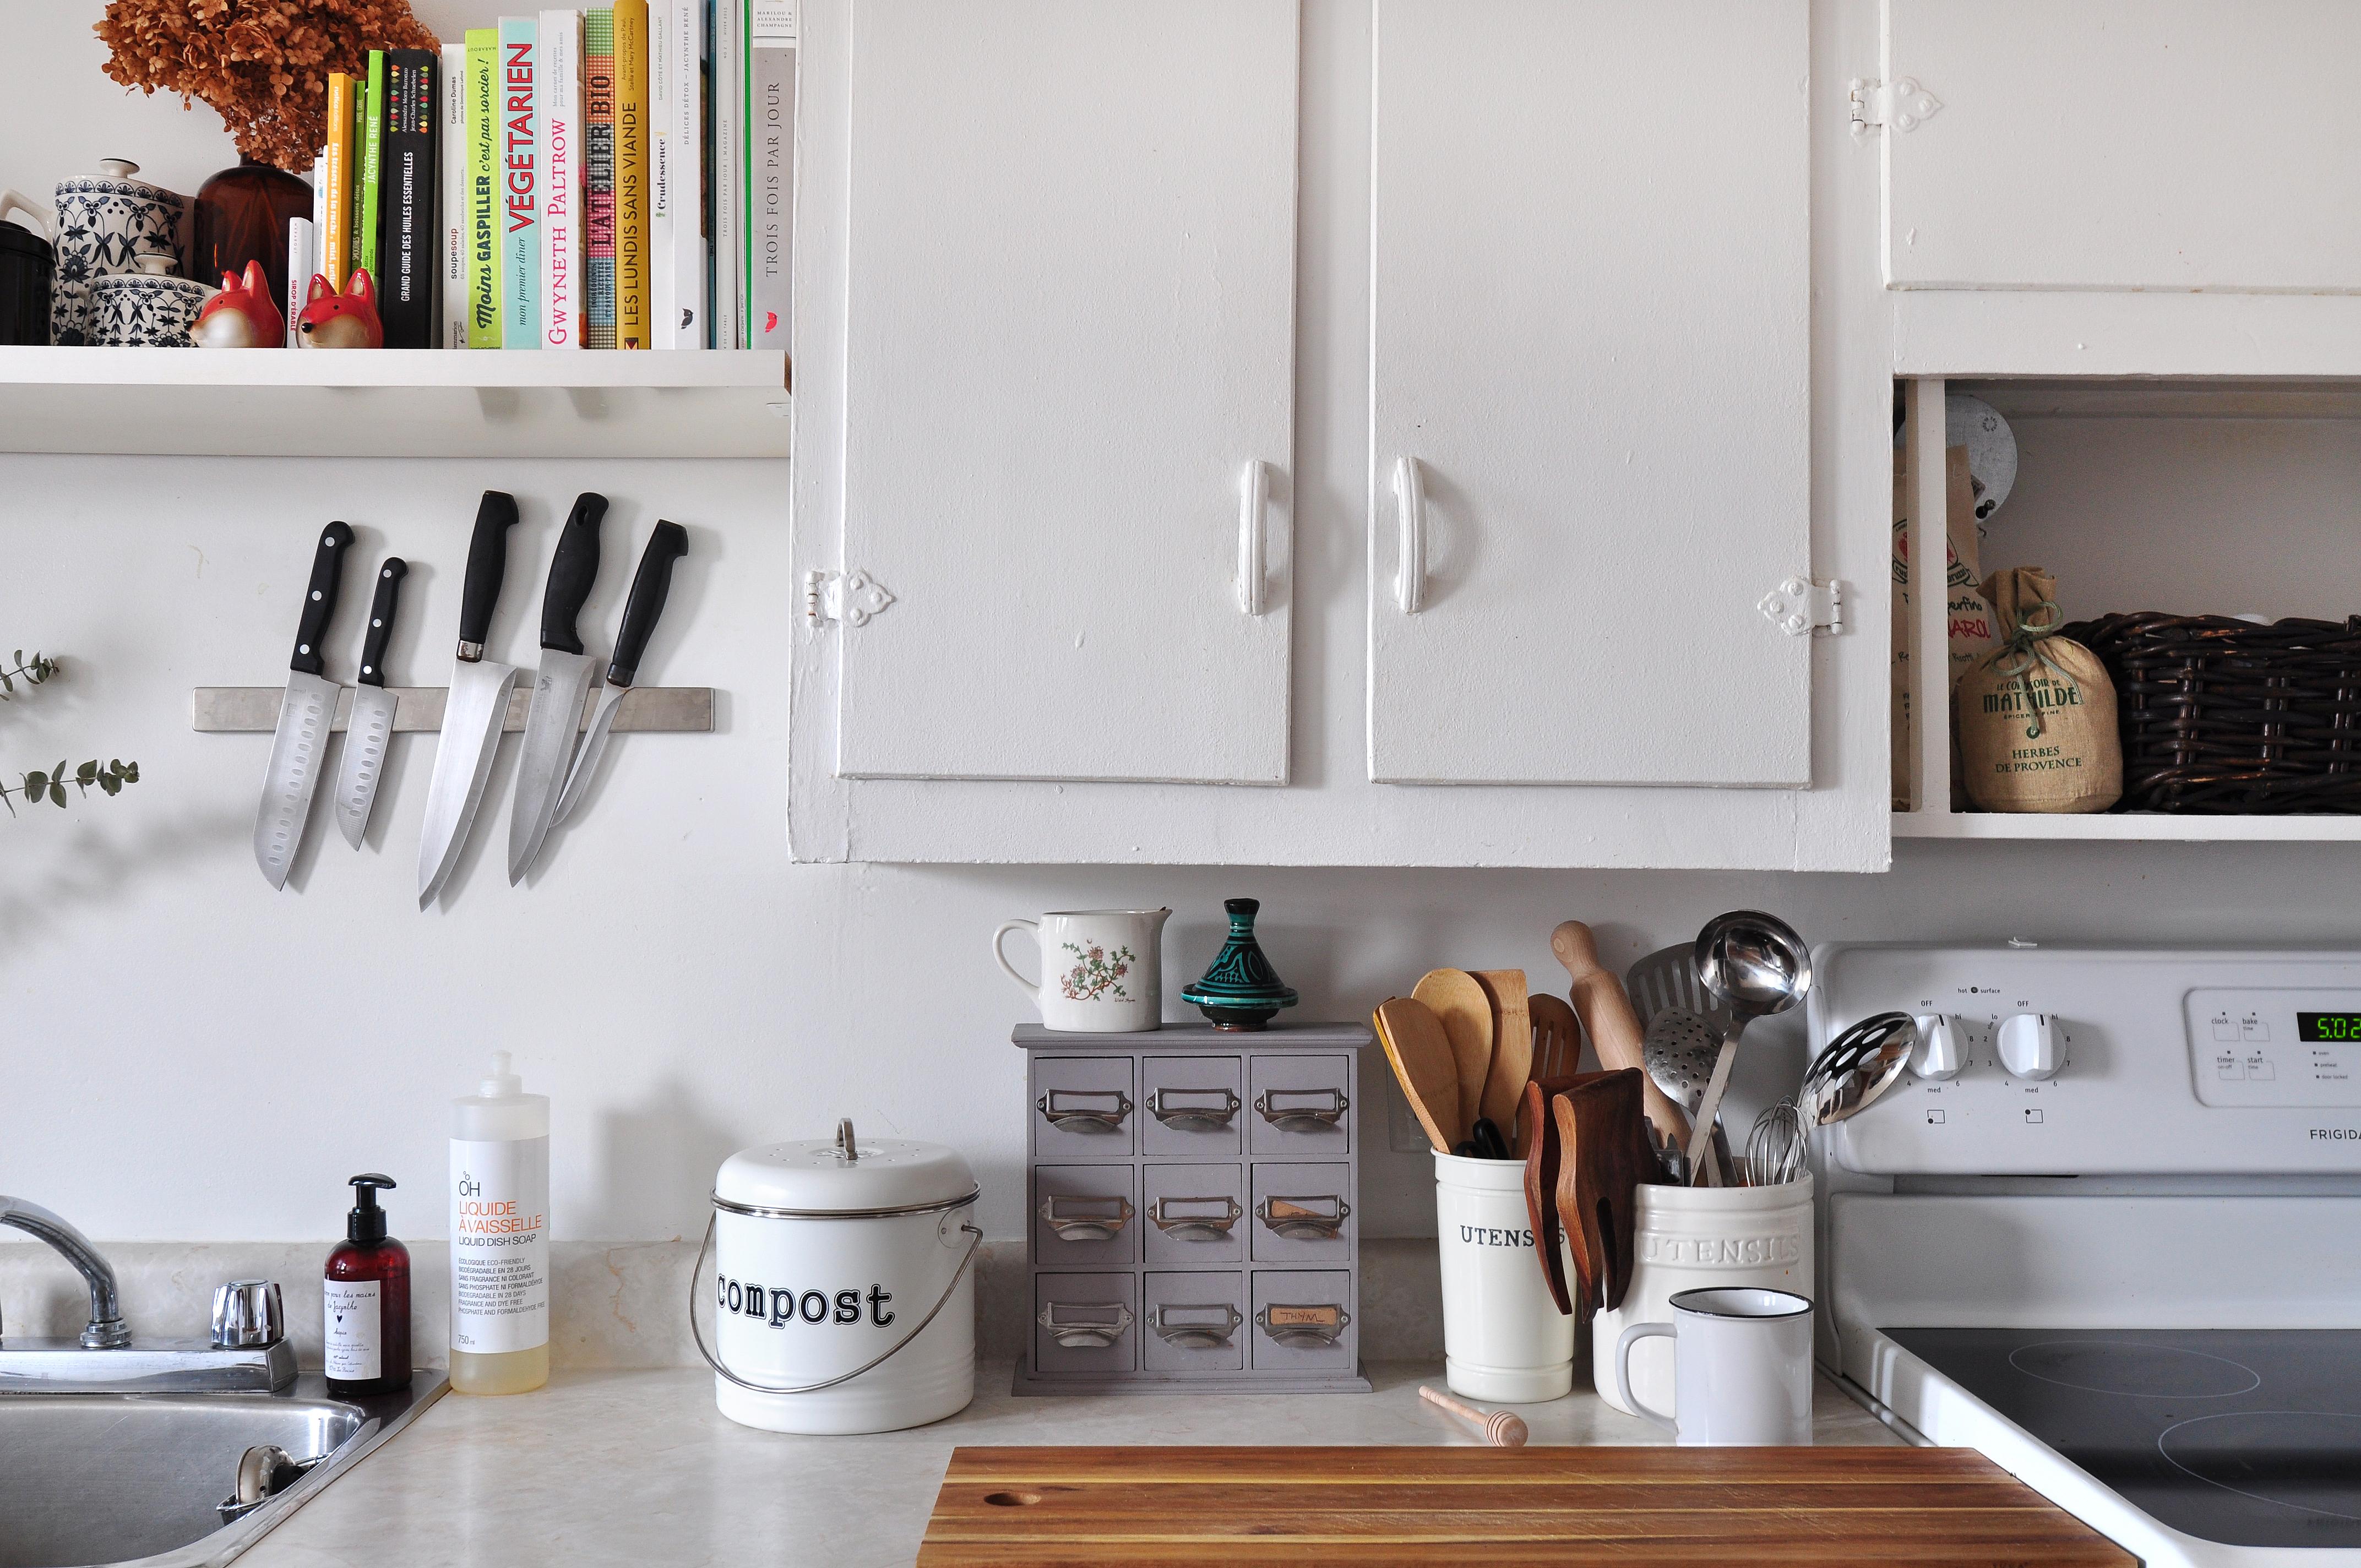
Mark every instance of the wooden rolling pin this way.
pixel 1605 1012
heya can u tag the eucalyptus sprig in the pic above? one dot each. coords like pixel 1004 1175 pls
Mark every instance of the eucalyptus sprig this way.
pixel 39 670
pixel 50 785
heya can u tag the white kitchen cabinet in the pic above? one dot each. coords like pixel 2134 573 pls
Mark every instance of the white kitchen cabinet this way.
pixel 2124 145
pixel 1590 391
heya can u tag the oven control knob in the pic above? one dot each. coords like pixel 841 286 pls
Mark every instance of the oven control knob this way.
pixel 2028 1044
pixel 1937 1055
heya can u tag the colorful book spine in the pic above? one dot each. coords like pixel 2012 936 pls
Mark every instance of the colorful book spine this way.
pixel 676 244
pixel 771 158
pixel 520 164
pixel 557 98
pixel 483 207
pixel 337 237
pixel 369 219
pixel 303 260
pixel 451 206
pixel 599 177
pixel 631 132
pixel 725 189
pixel 405 297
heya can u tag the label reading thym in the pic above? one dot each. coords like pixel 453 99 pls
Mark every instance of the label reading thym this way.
pixel 354 1321
pixel 499 1246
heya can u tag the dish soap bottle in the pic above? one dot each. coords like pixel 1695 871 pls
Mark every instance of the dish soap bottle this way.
pixel 499 1236
pixel 368 1300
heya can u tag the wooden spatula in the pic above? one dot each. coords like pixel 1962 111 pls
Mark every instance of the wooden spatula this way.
pixel 1614 1029
pixel 1604 1158
pixel 1512 1050
pixel 1420 1055
pixel 1465 1014
pixel 1557 1036
pixel 1542 1162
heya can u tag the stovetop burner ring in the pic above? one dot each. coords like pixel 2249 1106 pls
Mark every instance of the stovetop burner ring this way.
pixel 2321 1469
pixel 2133 1370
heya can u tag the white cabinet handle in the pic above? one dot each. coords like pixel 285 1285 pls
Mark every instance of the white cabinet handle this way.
pixel 1254 536
pixel 1410 508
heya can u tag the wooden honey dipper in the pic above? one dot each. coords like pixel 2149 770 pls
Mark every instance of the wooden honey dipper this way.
pixel 1500 1429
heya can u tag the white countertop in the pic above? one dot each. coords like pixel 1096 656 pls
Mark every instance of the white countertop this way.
pixel 638 1468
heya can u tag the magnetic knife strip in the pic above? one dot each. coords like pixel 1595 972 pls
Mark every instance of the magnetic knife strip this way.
pixel 237 710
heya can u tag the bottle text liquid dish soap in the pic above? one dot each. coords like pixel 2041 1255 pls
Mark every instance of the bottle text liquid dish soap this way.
pixel 499 1236
pixel 366 1300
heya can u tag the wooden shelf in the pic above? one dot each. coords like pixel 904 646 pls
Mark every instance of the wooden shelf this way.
pixel 393 404
pixel 2134 826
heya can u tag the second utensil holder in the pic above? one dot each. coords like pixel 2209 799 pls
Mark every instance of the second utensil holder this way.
pixel 1690 1237
pixel 1503 1338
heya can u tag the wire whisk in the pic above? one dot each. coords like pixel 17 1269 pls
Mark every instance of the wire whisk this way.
pixel 1777 1145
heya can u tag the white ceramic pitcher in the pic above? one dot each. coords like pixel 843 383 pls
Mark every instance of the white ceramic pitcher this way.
pixel 1102 970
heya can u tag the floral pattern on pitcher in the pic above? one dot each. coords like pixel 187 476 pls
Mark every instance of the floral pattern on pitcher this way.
pixel 1095 972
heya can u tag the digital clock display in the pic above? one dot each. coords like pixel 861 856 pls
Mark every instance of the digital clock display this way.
pixel 2316 1028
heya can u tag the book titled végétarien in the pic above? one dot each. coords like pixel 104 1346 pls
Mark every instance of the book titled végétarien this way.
pixel 519 159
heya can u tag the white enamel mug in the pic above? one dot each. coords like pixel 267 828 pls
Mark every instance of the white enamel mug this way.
pixel 1503 1337
pixel 1742 1368
pixel 1102 970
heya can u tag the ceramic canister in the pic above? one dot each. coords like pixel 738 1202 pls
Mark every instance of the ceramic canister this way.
pixel 1690 1238
pixel 147 309
pixel 106 223
pixel 1102 970
pixel 829 1255
pixel 1503 1337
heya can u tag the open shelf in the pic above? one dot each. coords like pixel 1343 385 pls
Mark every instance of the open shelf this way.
pixel 393 404
pixel 2137 826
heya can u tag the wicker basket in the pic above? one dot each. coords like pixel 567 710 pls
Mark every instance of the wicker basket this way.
pixel 2226 716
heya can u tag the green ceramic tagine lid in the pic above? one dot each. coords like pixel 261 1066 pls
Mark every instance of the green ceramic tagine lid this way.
pixel 1240 990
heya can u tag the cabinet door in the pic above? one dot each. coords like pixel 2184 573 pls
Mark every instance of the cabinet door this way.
pixel 1589 349
pixel 2126 144
pixel 1068 343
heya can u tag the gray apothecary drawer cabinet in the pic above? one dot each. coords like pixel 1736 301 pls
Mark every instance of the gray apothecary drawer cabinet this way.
pixel 1192 1198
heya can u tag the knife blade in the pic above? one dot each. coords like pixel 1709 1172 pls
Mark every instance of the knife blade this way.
pixel 650 586
pixel 478 701
pixel 304 716
pixel 370 729
pixel 558 686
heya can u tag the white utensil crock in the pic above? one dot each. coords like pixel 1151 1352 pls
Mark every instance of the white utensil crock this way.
pixel 1744 1356
pixel 837 1257
pixel 1503 1337
pixel 1102 970
pixel 1691 1237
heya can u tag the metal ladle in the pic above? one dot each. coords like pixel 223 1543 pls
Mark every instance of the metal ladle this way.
pixel 1757 966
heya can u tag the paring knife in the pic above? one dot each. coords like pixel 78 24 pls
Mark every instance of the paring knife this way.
pixel 304 716
pixel 560 686
pixel 649 588
pixel 478 703
pixel 370 727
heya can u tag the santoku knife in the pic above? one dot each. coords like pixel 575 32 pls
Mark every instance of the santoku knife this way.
pixel 558 688
pixel 650 584
pixel 478 703
pixel 370 729
pixel 304 716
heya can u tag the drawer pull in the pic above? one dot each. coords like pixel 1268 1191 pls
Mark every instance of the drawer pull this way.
pixel 1309 1326
pixel 1196 1227
pixel 1205 1327
pixel 1304 1219
pixel 1063 1109
pixel 1086 1325
pixel 1087 1218
pixel 1303 1110
pixel 1194 1118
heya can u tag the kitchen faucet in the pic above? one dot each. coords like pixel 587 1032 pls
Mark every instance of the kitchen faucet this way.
pixel 107 1329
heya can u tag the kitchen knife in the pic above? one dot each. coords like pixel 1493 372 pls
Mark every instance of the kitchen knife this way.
pixel 478 703
pixel 650 586
pixel 370 727
pixel 558 688
pixel 304 716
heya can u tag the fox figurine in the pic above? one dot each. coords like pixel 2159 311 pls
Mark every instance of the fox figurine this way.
pixel 243 315
pixel 348 320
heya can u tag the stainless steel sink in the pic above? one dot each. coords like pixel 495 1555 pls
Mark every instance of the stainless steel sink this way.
pixel 111 1478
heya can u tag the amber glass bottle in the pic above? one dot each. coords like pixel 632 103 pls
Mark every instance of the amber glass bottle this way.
pixel 368 1300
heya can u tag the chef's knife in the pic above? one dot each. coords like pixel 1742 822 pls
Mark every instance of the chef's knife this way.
pixel 304 716
pixel 558 688
pixel 477 704
pixel 649 587
pixel 370 727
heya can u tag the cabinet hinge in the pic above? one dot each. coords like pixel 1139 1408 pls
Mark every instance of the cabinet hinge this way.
pixel 1799 607
pixel 848 596
pixel 1901 104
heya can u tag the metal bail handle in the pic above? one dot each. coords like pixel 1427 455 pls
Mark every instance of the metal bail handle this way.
pixel 848 1147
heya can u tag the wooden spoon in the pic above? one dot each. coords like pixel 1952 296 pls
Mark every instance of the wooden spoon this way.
pixel 1542 1164
pixel 1512 1050
pixel 1466 1012
pixel 1613 1027
pixel 1422 1059
pixel 1557 1036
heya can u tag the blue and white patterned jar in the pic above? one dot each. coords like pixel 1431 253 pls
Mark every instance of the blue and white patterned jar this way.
pixel 106 223
pixel 147 309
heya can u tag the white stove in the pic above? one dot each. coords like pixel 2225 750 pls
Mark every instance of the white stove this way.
pixel 2108 1232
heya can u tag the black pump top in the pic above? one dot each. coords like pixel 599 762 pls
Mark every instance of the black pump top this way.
pixel 367 1220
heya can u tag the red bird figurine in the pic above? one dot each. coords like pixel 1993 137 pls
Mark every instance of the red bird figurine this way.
pixel 348 320
pixel 243 315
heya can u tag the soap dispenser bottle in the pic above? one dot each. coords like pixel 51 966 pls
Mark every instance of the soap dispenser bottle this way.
pixel 367 1299
pixel 499 1236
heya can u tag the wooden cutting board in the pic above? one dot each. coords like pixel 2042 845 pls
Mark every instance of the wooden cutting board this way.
pixel 1717 1508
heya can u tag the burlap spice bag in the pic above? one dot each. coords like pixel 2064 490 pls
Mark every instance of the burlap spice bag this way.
pixel 2037 715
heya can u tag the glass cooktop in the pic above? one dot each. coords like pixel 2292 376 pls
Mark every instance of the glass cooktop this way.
pixel 2245 1437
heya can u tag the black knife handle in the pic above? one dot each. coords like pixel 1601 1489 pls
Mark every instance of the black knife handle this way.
pixel 320 598
pixel 380 626
pixel 488 563
pixel 572 569
pixel 650 586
